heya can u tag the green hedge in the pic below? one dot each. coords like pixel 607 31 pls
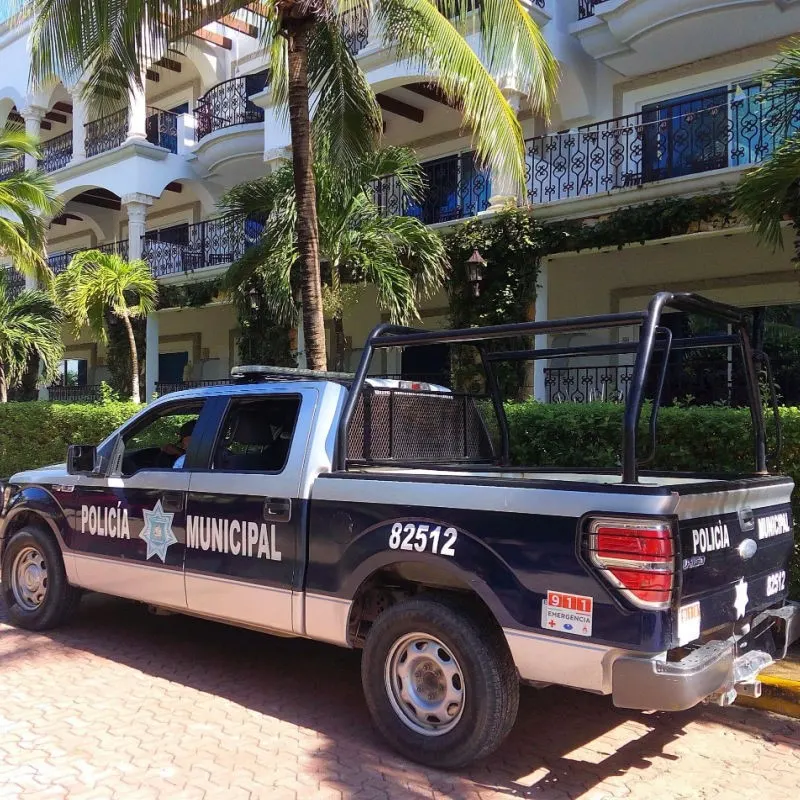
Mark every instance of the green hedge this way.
pixel 566 435
pixel 703 439
pixel 34 434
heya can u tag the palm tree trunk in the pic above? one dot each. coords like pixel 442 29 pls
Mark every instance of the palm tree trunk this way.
pixel 3 385
pixel 306 193
pixel 135 397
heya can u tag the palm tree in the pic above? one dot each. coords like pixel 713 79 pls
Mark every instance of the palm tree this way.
pixel 110 43
pixel 398 255
pixel 27 200
pixel 30 326
pixel 768 194
pixel 97 283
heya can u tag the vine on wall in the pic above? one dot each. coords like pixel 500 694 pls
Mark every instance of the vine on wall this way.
pixel 513 244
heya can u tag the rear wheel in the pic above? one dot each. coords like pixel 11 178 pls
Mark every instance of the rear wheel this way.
pixel 440 683
pixel 35 586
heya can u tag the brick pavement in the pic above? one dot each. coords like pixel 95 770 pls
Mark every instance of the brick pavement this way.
pixel 124 704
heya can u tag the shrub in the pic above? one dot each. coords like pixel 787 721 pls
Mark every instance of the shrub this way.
pixel 699 439
pixel 34 434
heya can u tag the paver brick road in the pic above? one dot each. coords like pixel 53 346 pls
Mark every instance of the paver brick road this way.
pixel 125 704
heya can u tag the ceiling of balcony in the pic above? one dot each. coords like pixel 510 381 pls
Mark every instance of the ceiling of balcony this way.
pixel 637 37
pixel 416 111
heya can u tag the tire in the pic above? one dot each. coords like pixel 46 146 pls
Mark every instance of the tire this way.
pixel 465 686
pixel 35 587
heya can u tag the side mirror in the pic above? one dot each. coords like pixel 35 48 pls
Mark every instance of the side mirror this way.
pixel 82 459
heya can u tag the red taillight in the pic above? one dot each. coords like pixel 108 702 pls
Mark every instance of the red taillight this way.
pixel 636 557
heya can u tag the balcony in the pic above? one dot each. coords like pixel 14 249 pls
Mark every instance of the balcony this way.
pixel 693 135
pixel 111 131
pixel 88 393
pixel 11 166
pixel 228 104
pixel 58 262
pixel 182 249
pixel 56 152
pixel 637 37
pixel 14 281
pixel 455 189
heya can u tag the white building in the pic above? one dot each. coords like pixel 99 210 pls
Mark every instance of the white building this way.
pixel 656 99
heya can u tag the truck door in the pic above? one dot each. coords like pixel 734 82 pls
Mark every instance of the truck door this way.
pixel 128 530
pixel 245 514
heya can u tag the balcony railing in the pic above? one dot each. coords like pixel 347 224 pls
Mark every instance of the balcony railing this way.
pixel 106 133
pixel 11 166
pixel 228 104
pixel 586 8
pixel 355 29
pixel 163 387
pixel 726 129
pixel 56 152
pixel 606 383
pixel 89 393
pixel 455 189
pixel 120 248
pixel 185 248
pixel 58 262
pixel 15 282
pixel 162 129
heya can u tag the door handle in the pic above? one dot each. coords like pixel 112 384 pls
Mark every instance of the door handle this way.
pixel 172 502
pixel 277 509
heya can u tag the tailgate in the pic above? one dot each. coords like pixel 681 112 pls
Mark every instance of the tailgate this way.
pixel 735 551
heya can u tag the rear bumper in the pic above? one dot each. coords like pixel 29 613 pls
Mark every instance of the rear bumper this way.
pixel 715 668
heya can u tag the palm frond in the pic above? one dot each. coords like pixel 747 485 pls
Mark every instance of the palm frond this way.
pixel 762 195
pixel 346 119
pixel 420 33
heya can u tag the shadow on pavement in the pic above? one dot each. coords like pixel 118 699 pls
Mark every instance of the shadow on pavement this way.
pixel 564 743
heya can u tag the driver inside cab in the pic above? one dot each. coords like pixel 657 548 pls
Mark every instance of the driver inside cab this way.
pixel 179 449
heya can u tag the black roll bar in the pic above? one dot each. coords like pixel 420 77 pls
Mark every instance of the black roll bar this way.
pixel 388 335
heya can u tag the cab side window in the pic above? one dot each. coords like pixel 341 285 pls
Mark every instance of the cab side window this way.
pixel 256 435
pixel 161 441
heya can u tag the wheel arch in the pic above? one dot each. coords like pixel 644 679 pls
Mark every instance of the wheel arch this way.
pixel 385 579
pixel 34 506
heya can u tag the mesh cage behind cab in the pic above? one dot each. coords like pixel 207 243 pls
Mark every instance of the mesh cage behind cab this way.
pixel 400 425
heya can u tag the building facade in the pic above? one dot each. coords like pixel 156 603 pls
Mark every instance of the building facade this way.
pixel 656 100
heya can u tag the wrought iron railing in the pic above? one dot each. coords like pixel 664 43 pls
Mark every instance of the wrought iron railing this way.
pixel 586 8
pixel 106 133
pixel 164 387
pixel 185 248
pixel 56 152
pixel 120 248
pixel 668 140
pixel 355 29
pixel 14 281
pixel 455 188
pixel 90 393
pixel 58 262
pixel 228 103
pixel 162 129
pixel 11 166
pixel 605 383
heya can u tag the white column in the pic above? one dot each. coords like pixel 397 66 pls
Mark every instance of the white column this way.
pixel 33 116
pixel 539 389
pixel 137 113
pixel 151 357
pixel 136 206
pixel 79 119
pixel 505 190
pixel 186 133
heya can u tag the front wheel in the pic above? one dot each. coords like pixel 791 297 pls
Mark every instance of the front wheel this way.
pixel 440 683
pixel 35 587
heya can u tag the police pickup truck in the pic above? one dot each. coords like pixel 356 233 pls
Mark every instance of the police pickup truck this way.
pixel 383 515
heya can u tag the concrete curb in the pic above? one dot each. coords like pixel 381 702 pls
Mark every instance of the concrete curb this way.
pixel 780 688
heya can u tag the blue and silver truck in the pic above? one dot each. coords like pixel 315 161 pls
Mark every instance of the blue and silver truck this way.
pixel 384 515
